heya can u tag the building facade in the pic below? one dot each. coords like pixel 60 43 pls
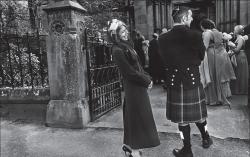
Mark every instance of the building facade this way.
pixel 232 12
pixel 153 15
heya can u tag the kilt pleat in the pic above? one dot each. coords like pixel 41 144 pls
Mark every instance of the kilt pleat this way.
pixel 186 106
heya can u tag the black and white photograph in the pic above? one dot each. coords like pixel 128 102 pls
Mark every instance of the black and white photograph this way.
pixel 124 78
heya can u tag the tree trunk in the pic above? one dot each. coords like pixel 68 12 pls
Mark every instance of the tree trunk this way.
pixel 2 76
pixel 32 12
pixel 10 65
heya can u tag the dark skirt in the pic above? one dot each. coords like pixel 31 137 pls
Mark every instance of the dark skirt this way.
pixel 186 106
pixel 139 125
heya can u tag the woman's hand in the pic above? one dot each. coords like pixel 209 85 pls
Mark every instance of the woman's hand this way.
pixel 150 85
pixel 231 44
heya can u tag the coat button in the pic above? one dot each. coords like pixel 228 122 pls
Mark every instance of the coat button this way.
pixel 193 78
pixel 193 82
pixel 173 75
pixel 192 74
pixel 172 84
pixel 172 79
pixel 188 69
pixel 175 70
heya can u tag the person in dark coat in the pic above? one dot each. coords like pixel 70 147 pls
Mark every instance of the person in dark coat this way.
pixel 138 47
pixel 139 126
pixel 155 66
pixel 182 51
pixel 247 43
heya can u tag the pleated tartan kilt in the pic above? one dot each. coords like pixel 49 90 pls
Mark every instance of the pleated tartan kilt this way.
pixel 186 106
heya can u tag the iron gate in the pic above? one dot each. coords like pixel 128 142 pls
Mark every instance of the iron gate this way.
pixel 103 75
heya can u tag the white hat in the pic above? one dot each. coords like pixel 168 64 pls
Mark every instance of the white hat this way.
pixel 155 34
pixel 114 25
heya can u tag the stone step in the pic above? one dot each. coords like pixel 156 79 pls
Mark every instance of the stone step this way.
pixel 24 112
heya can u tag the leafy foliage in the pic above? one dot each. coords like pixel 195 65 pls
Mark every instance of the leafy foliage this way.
pixel 99 12
pixel 22 49
pixel 14 17
pixel 22 60
pixel 99 6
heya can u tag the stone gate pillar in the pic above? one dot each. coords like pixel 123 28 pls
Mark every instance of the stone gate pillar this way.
pixel 68 106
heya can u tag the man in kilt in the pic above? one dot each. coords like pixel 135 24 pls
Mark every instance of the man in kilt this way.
pixel 182 51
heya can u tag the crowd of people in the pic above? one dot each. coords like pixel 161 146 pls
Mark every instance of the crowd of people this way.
pixel 224 70
pixel 225 67
pixel 196 68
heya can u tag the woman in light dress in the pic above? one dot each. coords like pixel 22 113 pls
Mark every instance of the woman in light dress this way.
pixel 217 77
pixel 240 85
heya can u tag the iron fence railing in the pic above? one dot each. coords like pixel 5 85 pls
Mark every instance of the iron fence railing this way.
pixel 23 61
pixel 104 79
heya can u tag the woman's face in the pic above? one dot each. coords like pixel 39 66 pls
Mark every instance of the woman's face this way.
pixel 188 18
pixel 123 33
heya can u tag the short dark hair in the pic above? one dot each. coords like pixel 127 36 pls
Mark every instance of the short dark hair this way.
pixel 207 24
pixel 179 12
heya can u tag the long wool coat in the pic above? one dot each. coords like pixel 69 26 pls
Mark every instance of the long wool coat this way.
pixel 139 126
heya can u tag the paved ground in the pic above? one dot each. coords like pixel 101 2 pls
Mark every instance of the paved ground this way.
pixel 221 119
pixel 29 140
pixel 103 138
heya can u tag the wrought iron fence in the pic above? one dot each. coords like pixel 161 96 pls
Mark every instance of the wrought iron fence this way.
pixel 104 76
pixel 23 61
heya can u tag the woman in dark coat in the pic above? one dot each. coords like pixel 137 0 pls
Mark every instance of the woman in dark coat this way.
pixel 139 126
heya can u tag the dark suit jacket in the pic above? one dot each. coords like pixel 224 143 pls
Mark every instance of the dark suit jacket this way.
pixel 182 51
pixel 155 65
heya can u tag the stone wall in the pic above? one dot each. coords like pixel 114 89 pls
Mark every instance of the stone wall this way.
pixel 230 13
pixel 152 17
pixel 24 96
pixel 244 12
pixel 141 23
pixel 226 14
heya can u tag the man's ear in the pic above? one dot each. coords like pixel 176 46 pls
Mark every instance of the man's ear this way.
pixel 184 18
